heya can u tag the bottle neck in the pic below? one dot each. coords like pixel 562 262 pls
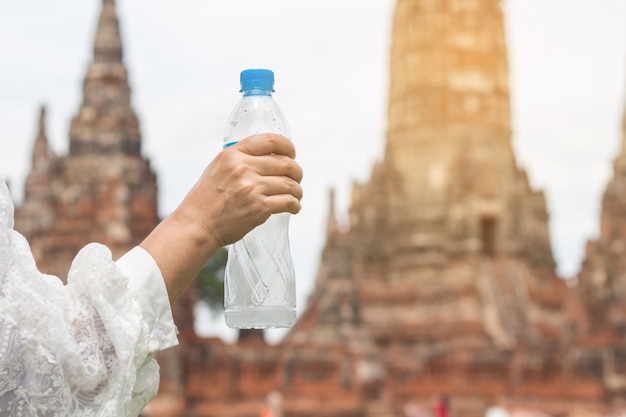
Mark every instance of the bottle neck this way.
pixel 256 92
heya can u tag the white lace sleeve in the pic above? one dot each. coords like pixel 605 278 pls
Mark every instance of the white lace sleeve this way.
pixel 83 349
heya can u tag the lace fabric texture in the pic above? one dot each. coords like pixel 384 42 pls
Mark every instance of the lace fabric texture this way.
pixel 80 349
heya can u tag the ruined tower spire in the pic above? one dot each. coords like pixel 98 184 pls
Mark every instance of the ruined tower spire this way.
pixel 36 214
pixel 448 67
pixel 602 282
pixel 449 175
pixel 106 122
pixel 43 154
pixel 108 43
pixel 331 222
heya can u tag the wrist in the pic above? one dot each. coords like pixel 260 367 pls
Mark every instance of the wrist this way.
pixel 194 232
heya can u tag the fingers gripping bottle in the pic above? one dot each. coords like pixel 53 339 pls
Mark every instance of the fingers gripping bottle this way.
pixel 259 283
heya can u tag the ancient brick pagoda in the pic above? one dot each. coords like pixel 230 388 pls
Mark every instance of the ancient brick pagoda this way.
pixel 442 283
pixel 104 190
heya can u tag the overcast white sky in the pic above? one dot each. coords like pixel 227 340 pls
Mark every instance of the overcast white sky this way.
pixel 567 73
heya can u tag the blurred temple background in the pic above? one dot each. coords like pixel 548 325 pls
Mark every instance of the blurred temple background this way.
pixel 440 297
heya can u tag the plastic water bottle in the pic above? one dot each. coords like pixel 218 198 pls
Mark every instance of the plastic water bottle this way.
pixel 259 286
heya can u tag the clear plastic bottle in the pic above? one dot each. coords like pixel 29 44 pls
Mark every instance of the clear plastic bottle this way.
pixel 259 287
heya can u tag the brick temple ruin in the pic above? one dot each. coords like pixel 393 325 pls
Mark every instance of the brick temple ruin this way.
pixel 442 283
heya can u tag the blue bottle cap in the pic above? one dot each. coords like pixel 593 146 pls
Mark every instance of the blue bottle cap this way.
pixel 258 79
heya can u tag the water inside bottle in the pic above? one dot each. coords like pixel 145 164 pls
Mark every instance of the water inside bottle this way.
pixel 262 293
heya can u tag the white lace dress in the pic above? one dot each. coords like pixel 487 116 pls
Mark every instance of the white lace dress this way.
pixel 81 349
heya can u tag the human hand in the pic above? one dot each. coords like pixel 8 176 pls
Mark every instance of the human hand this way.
pixel 242 187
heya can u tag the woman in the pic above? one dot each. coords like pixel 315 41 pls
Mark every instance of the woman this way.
pixel 86 349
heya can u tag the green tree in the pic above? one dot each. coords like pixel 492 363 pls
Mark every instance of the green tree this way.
pixel 210 282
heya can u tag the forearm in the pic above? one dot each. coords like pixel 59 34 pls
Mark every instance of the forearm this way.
pixel 180 252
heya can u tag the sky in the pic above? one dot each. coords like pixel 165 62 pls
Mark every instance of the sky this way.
pixel 330 57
